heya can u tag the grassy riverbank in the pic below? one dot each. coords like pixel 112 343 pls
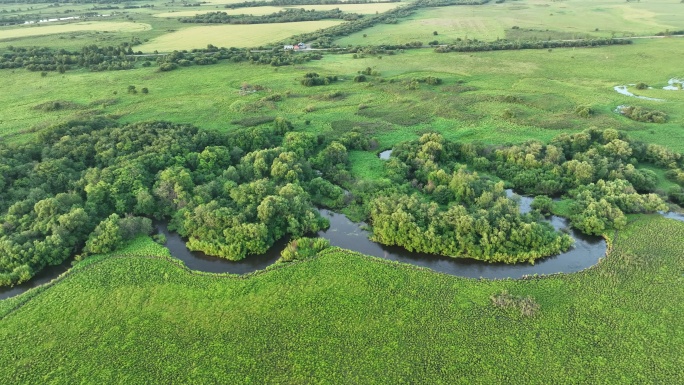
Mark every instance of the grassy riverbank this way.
pixel 346 318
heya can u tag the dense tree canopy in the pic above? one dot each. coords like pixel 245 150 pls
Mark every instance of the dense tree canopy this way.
pixel 84 187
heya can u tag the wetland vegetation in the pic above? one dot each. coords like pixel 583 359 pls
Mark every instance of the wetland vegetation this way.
pixel 397 130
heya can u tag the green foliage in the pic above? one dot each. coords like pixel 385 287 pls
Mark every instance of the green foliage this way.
pixel 602 206
pixel 488 229
pixel 543 204
pixel 313 79
pixel 584 111
pixel 503 44
pixel 303 248
pixel 642 114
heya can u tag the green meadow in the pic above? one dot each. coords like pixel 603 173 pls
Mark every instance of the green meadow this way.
pixel 540 89
pixel 127 319
pixel 138 315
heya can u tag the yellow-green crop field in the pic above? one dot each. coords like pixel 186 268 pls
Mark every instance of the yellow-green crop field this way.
pixel 369 8
pixel 41 30
pixel 572 18
pixel 231 35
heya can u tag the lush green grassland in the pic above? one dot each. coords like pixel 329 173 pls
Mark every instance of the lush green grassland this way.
pixel 346 318
pixel 540 88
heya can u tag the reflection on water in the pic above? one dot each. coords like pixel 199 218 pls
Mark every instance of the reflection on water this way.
pixel 344 233
pixel 623 90
pixel 46 275
pixel 385 155
pixel 197 260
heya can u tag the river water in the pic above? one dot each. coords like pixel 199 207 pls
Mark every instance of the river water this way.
pixel 344 233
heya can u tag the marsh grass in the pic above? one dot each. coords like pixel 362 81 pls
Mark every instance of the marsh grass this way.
pixel 347 318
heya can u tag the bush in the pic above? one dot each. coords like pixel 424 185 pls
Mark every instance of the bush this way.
pixel 641 114
pixel 359 78
pixel 584 111
pixel 168 67
pixel 303 248
pixel 543 204
pixel 641 86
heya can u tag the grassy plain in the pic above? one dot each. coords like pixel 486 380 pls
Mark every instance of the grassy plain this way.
pixel 129 319
pixel 548 19
pixel 540 88
pixel 229 35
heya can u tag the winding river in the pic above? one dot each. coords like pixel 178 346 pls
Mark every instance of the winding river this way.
pixel 344 233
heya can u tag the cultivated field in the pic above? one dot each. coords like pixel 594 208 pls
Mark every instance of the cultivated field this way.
pixel 41 30
pixel 249 35
pixel 256 11
pixel 548 19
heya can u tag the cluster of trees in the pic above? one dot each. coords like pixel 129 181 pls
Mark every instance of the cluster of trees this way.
pixel 87 186
pixel 92 57
pixel 478 222
pixel 599 169
pixel 313 79
pixel 642 114
pixel 289 15
pixel 570 161
pixel 502 44
pixel 123 57
pixel 600 206
pixel 13 20
pixel 274 3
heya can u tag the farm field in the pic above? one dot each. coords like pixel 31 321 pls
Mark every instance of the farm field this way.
pixel 548 20
pixel 130 318
pixel 232 35
pixel 42 30
pixel 350 8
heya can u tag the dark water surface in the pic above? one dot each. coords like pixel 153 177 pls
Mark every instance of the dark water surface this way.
pixel 197 260
pixel 46 275
pixel 346 234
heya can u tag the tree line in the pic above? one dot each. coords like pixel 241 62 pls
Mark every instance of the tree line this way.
pixel 502 44
pixel 122 57
pixel 289 15
pixel 273 3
